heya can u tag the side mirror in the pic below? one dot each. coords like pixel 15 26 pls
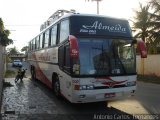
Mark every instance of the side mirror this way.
pixel 142 48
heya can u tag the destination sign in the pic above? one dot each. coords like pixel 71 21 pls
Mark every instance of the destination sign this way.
pixel 89 25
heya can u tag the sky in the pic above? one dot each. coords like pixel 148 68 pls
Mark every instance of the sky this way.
pixel 24 17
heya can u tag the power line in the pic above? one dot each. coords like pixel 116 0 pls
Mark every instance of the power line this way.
pixel 12 30
pixel 16 25
pixel 97 4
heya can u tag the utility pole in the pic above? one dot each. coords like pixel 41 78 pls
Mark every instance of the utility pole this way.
pixel 97 4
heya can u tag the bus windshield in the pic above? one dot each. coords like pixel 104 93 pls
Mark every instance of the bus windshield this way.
pixel 99 56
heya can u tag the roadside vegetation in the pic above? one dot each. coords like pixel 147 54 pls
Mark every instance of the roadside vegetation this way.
pixel 10 73
pixel 146 25
pixel 7 84
pixel 149 78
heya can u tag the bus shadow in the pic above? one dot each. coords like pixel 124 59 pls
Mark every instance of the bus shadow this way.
pixel 85 111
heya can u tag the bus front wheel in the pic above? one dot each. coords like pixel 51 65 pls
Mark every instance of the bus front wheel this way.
pixel 33 74
pixel 56 86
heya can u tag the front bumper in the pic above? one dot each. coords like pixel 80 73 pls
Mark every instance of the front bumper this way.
pixel 84 96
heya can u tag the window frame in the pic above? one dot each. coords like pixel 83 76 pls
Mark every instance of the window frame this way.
pixel 64 33
pixel 33 44
pixel 53 35
pixel 40 41
pixel 62 56
pixel 46 38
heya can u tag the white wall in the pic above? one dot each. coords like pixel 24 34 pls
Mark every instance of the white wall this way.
pixel 151 65
pixel 1 71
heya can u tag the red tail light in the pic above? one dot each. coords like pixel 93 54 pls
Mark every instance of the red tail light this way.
pixel 74 52
pixel 142 48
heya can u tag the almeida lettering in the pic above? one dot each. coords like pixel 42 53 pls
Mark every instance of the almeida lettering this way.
pixel 100 26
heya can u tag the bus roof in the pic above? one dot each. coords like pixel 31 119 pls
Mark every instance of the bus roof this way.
pixel 85 15
pixel 90 15
pixel 95 16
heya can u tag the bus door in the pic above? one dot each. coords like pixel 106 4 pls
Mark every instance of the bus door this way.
pixel 65 69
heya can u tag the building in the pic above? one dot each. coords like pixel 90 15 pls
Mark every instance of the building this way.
pixel 18 56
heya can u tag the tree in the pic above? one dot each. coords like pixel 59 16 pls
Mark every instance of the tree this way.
pixel 24 49
pixel 12 51
pixel 4 34
pixel 141 22
pixel 155 17
pixel 147 23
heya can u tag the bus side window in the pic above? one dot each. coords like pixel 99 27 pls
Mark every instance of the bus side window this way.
pixel 61 56
pixel 29 46
pixel 37 42
pixel 46 39
pixel 64 30
pixel 40 41
pixel 64 57
pixel 53 35
pixel 67 58
pixel 33 44
pixel 43 40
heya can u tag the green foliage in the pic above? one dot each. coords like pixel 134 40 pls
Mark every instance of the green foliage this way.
pixel 7 84
pixel 151 48
pixel 1 26
pixel 149 78
pixel 12 51
pixel 141 21
pixel 24 49
pixel 147 25
pixel 8 59
pixel 10 73
pixel 4 40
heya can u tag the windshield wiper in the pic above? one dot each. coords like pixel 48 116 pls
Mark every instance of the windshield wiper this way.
pixel 100 67
pixel 119 60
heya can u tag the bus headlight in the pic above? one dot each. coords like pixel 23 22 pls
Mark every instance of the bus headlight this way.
pixel 86 87
pixel 132 83
pixel 90 87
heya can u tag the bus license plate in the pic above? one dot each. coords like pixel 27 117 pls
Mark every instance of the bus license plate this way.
pixel 109 95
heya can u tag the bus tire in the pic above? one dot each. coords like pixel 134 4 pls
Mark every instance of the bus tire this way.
pixel 33 73
pixel 56 86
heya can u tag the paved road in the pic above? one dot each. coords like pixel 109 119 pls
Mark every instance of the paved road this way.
pixel 148 94
pixel 146 100
pixel 32 100
pixel 25 66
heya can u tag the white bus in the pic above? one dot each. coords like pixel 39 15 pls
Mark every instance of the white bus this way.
pixel 85 58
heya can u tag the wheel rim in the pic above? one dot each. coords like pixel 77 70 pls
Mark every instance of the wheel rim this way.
pixel 56 87
pixel 33 74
